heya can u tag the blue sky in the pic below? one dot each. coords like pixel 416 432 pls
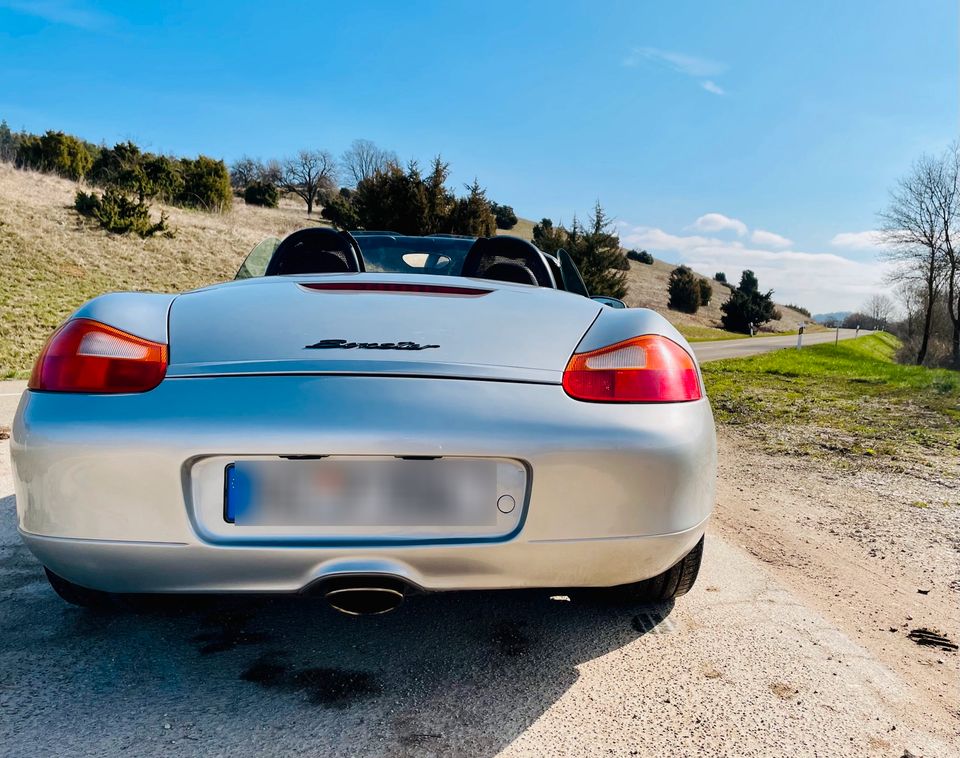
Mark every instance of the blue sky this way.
pixel 752 134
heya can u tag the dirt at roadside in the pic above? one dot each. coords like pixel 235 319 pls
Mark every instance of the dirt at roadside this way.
pixel 877 551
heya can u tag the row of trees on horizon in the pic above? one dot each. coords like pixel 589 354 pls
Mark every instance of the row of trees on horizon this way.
pixel 350 189
pixel 200 182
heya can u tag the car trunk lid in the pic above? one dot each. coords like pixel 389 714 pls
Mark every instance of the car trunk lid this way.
pixel 377 324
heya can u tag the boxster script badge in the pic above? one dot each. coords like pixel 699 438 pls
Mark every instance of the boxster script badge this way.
pixel 345 345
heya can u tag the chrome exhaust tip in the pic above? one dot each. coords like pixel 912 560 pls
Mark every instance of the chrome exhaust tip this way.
pixel 361 594
pixel 364 601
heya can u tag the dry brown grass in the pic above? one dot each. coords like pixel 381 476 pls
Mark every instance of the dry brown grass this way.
pixel 51 261
pixel 523 228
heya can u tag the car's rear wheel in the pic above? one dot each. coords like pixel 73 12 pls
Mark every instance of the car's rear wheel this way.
pixel 77 595
pixel 675 581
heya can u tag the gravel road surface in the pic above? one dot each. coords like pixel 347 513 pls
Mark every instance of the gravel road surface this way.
pixel 741 666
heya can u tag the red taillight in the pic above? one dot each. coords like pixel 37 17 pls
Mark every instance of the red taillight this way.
pixel 647 369
pixel 87 356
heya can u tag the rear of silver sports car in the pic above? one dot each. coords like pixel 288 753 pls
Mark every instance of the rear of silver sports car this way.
pixel 271 435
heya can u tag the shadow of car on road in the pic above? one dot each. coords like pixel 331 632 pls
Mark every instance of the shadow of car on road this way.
pixel 446 673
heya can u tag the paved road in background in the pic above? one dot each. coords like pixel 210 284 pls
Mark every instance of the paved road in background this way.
pixel 10 391
pixel 716 350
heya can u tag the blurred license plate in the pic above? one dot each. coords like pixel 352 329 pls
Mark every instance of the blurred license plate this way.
pixel 362 492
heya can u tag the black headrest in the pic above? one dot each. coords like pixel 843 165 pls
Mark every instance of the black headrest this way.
pixel 508 271
pixel 489 252
pixel 319 250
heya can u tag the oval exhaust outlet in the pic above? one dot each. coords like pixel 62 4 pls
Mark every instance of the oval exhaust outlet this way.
pixel 364 601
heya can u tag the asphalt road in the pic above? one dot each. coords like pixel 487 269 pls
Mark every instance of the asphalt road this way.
pixel 740 666
pixel 719 349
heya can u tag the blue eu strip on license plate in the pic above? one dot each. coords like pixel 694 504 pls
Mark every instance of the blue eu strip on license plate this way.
pixel 237 493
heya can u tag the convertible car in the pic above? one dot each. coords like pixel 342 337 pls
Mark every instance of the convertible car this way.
pixel 366 416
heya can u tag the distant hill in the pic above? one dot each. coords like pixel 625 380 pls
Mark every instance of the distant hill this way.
pixel 828 318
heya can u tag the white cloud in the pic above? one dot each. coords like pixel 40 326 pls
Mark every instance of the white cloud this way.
pixel 66 12
pixel 820 281
pixel 717 222
pixel 769 239
pixel 680 62
pixel 857 240
pixel 688 65
pixel 710 86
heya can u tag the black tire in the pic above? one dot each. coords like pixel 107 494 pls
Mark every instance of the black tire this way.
pixel 675 581
pixel 81 596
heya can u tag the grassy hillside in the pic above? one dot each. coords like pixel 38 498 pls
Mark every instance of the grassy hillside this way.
pixel 51 261
pixel 523 228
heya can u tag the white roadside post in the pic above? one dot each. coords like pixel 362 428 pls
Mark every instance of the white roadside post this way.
pixel 800 336
pixel 837 340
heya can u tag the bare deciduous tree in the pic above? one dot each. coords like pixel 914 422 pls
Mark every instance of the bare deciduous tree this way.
pixel 243 171
pixel 271 172
pixel 914 234
pixel 307 174
pixel 880 308
pixel 912 299
pixel 364 159
pixel 946 202
pixel 246 170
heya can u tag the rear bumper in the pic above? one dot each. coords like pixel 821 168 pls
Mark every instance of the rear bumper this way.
pixel 165 567
pixel 617 493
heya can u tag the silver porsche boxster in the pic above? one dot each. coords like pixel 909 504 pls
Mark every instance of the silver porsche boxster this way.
pixel 367 416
